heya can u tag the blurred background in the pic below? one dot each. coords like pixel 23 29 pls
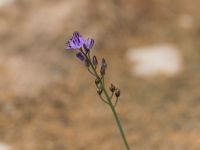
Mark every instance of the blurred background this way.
pixel 48 100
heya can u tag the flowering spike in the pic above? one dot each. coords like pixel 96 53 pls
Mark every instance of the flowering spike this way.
pixel 77 42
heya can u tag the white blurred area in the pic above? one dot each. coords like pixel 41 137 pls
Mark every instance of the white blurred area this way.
pixel 5 2
pixel 161 59
pixel 4 147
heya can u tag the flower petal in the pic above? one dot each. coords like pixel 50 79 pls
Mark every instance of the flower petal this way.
pixel 76 42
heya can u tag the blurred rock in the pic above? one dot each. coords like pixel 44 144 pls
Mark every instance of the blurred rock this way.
pixel 4 147
pixel 5 2
pixel 163 59
pixel 23 76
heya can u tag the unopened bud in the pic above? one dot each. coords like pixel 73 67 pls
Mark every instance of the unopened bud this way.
pixel 87 64
pixel 117 92
pixel 102 71
pixel 97 81
pixel 95 61
pixel 103 67
pixel 99 91
pixel 112 88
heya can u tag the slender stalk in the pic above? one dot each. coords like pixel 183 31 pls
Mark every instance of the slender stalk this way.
pixel 116 101
pixel 112 108
pixel 117 119
pixel 84 54
pixel 109 100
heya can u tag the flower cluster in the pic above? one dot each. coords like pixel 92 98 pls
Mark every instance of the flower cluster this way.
pixel 84 46
pixel 77 42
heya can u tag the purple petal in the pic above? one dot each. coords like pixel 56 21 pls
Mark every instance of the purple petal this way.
pixel 76 42
pixel 76 34
pixel 88 44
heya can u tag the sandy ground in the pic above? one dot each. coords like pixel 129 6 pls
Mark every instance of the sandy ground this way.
pixel 48 100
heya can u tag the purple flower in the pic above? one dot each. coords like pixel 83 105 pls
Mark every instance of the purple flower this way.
pixel 80 56
pixel 77 42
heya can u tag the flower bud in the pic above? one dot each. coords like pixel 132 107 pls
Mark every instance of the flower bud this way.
pixel 87 64
pixel 95 61
pixel 117 92
pixel 80 56
pixel 103 67
pixel 97 81
pixel 99 91
pixel 112 88
pixel 102 71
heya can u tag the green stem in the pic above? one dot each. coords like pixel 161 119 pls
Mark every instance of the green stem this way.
pixel 117 120
pixel 112 108
pixel 116 101
pixel 109 102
